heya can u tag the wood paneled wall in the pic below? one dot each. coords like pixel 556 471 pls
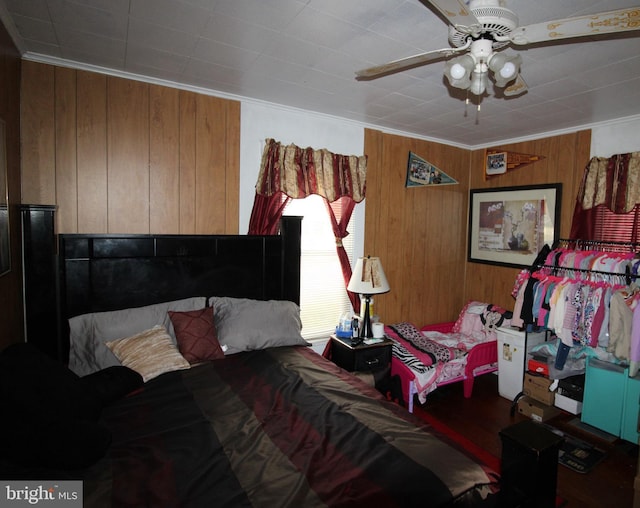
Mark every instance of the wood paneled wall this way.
pixel 566 156
pixel 11 314
pixel 121 156
pixel 420 234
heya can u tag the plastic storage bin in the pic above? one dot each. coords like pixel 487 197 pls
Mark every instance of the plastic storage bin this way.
pixel 513 346
pixel 611 399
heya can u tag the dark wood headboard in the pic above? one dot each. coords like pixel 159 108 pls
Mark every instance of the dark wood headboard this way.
pixel 102 272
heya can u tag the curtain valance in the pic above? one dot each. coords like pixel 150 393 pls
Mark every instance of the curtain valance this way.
pixel 613 182
pixel 299 172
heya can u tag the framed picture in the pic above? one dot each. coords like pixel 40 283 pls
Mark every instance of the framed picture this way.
pixel 496 163
pixel 509 225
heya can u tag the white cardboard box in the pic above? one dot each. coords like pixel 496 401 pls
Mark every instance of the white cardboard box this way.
pixel 570 405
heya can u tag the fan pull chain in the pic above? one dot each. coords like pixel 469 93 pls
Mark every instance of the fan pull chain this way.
pixel 466 104
pixel 478 114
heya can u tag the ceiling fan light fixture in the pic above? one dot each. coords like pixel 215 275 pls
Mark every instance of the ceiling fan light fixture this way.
pixel 484 27
pixel 507 70
pixel 458 71
pixel 496 62
pixel 479 83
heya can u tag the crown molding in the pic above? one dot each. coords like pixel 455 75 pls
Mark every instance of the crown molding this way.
pixel 36 57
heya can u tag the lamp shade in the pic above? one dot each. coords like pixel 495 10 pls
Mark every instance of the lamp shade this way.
pixel 368 277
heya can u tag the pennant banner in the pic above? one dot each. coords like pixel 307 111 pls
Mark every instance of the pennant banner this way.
pixel 498 162
pixel 421 173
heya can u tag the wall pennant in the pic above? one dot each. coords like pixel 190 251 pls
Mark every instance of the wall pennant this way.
pixel 421 173
pixel 498 162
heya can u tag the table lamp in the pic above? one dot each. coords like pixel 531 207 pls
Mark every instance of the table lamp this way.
pixel 367 279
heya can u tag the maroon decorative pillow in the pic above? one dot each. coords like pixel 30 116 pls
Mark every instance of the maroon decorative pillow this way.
pixel 196 335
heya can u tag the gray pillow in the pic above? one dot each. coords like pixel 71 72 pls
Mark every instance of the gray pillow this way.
pixel 244 325
pixel 89 332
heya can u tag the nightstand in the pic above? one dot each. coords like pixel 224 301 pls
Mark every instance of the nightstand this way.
pixel 373 358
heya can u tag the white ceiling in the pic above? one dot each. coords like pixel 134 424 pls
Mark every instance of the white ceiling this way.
pixel 303 54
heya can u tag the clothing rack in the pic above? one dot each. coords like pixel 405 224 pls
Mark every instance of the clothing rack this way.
pixel 595 245
pixel 628 276
pixel 601 245
pixel 595 280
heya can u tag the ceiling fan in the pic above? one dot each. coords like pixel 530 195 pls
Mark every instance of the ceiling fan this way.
pixel 479 29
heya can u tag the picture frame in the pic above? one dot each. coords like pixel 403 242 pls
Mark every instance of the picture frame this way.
pixel 509 225
pixel 496 163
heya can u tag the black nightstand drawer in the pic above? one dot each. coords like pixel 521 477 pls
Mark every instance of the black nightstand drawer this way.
pixel 363 357
pixel 373 359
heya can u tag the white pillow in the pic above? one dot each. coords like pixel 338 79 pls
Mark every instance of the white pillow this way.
pixel 89 332
pixel 243 324
pixel 150 353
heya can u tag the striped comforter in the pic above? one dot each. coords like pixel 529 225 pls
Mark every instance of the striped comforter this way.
pixel 275 428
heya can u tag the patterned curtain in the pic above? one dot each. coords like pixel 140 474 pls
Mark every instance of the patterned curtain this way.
pixel 290 172
pixel 613 183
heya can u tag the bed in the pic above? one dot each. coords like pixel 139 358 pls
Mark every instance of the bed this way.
pixel 445 353
pixel 150 412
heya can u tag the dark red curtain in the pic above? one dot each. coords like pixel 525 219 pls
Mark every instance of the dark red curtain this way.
pixel 345 206
pixel 583 223
pixel 266 213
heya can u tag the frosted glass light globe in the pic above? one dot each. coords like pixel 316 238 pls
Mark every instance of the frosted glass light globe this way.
pixel 508 70
pixel 478 83
pixel 457 71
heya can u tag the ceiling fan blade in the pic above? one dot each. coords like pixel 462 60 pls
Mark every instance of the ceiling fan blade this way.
pixel 516 88
pixel 406 63
pixel 458 14
pixel 621 20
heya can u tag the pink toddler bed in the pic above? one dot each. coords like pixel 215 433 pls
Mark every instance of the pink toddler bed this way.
pixel 445 353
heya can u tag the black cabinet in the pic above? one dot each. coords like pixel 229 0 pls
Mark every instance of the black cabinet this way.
pixel 529 465
pixel 40 281
pixel 363 357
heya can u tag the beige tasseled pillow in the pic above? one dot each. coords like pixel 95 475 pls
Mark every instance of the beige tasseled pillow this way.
pixel 150 353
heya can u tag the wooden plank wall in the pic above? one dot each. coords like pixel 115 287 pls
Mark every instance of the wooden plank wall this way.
pixel 11 315
pixel 121 156
pixel 420 234
pixel 566 156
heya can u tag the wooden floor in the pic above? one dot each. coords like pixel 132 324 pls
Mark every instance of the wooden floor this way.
pixel 480 418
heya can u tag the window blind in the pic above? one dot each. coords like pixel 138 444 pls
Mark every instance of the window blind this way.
pixel 323 297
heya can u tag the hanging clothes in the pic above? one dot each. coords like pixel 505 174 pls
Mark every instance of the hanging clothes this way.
pixel 582 291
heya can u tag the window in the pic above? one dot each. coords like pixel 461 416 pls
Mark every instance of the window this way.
pixel 614 227
pixel 323 297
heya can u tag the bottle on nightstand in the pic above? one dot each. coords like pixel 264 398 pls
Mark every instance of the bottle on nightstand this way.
pixel 345 326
